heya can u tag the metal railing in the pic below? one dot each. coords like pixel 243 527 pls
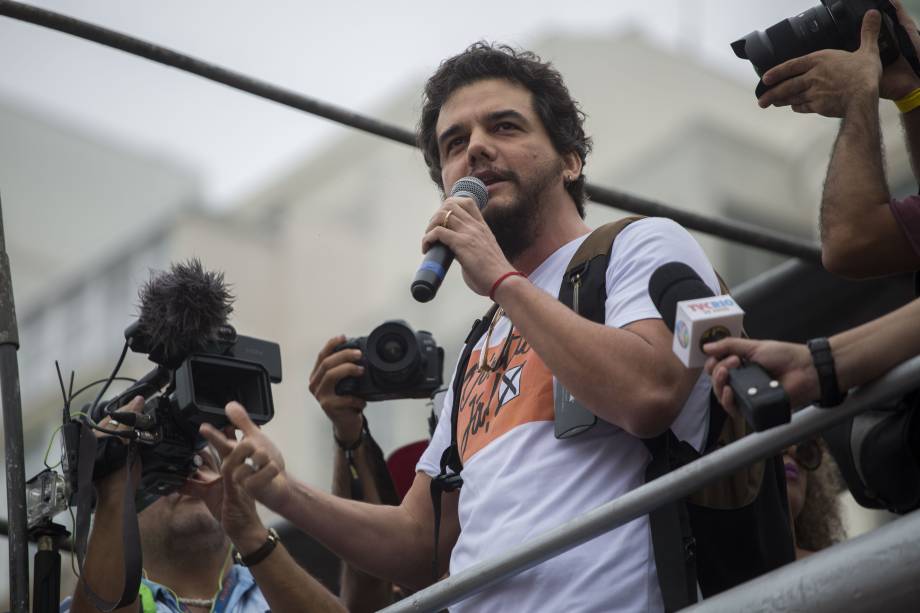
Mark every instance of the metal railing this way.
pixel 734 231
pixel 878 571
pixel 673 486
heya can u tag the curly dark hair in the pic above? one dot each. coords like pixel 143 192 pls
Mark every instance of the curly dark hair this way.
pixel 819 524
pixel 560 114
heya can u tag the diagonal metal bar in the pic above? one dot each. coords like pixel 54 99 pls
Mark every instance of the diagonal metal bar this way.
pixel 728 230
pixel 873 572
pixel 668 488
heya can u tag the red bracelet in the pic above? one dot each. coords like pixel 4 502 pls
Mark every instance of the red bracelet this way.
pixel 498 281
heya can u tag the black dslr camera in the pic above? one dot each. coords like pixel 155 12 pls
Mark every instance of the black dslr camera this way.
pixel 399 363
pixel 833 24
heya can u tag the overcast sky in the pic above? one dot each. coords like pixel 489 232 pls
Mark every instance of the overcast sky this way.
pixel 352 54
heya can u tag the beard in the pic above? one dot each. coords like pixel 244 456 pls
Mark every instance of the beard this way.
pixel 177 530
pixel 517 224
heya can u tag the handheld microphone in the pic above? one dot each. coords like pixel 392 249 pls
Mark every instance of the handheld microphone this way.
pixel 696 317
pixel 439 258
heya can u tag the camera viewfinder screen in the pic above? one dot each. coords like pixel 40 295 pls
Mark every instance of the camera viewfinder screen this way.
pixel 217 384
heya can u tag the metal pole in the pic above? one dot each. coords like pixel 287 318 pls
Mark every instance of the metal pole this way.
pixel 878 571
pixel 12 438
pixel 746 234
pixel 668 488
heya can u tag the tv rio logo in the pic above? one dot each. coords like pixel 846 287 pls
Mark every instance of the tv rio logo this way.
pixel 682 332
pixel 713 305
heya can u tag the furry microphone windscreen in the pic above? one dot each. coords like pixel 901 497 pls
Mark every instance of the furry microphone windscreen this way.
pixel 182 308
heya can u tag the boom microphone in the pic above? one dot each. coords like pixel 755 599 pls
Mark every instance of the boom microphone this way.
pixel 439 257
pixel 180 311
pixel 696 317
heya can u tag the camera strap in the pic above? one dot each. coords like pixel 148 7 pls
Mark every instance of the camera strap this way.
pixel 130 534
pixel 450 459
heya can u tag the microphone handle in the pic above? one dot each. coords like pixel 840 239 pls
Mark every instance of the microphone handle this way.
pixel 762 400
pixel 432 272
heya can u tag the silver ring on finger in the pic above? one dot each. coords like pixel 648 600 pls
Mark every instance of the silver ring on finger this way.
pixel 252 464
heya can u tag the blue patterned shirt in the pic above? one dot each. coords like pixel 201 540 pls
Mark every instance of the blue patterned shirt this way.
pixel 239 594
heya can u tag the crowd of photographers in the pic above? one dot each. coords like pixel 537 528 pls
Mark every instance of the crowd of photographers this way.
pixel 494 114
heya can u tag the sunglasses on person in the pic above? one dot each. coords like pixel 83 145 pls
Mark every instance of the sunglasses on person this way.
pixel 807 454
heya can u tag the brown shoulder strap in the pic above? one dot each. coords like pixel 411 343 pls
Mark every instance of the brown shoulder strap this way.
pixel 599 242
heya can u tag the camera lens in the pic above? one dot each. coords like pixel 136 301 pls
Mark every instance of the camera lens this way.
pixel 808 31
pixel 392 348
pixel 393 354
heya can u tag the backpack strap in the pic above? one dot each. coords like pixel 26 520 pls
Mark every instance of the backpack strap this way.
pixel 450 459
pixel 584 290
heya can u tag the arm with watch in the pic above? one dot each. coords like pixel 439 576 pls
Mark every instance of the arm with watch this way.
pixel 284 584
pixel 359 468
pixel 822 370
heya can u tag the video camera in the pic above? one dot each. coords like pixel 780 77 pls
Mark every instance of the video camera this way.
pixel 202 364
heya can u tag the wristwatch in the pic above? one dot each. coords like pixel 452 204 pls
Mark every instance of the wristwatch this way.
pixel 259 554
pixel 823 360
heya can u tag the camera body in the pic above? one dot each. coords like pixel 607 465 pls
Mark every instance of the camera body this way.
pixel 228 368
pixel 398 363
pixel 833 24
pixel 182 393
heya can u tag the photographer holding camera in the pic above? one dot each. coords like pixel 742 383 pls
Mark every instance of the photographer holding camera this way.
pixel 864 232
pixel 188 540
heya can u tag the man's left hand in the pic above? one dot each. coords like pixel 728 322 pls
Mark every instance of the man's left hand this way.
pixel 468 236
pixel 828 81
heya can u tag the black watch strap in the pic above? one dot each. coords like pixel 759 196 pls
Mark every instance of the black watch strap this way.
pixel 823 360
pixel 261 553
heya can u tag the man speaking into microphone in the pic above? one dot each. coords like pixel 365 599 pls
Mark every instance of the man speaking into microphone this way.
pixel 506 118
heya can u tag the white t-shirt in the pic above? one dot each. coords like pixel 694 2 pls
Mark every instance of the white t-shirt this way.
pixel 519 481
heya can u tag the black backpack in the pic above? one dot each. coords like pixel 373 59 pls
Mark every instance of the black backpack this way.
pixel 723 535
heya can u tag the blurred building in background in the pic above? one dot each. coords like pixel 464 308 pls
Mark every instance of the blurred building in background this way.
pixel 331 246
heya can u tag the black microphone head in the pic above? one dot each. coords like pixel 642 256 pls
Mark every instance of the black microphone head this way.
pixel 180 310
pixel 471 187
pixel 671 283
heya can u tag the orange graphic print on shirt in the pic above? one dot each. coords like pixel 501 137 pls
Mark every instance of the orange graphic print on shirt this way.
pixel 493 403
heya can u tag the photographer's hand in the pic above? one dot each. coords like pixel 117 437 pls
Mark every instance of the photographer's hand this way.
pixel 828 82
pixel 263 477
pixel 104 563
pixel 110 489
pixel 899 78
pixel 331 367
pixel 789 363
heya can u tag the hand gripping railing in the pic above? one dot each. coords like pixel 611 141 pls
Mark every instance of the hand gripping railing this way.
pixel 668 488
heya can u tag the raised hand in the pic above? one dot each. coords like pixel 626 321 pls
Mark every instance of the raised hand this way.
pixel 253 463
pixel 331 367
